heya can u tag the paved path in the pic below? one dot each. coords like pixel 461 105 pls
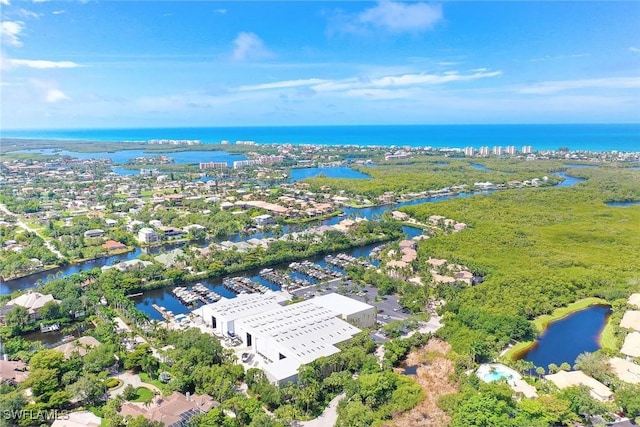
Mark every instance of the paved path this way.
pixel 328 417
pixel 133 380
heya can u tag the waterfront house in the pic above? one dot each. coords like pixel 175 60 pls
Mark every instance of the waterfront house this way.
pixel 112 245
pixel 32 301
pixel 147 235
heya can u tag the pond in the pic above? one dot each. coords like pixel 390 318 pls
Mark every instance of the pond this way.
pixel 298 174
pixel 566 338
pixel 479 167
pixel 622 204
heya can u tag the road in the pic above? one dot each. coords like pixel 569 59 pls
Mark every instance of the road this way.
pixel 24 226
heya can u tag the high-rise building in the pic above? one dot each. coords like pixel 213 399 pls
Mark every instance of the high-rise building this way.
pixel 469 151
pixel 497 151
pixel 213 165
pixel 511 150
pixel 484 151
pixel 526 149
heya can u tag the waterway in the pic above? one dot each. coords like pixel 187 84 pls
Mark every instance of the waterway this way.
pixel 569 181
pixel 123 156
pixel 565 339
pixel 622 204
pixel 165 298
pixel 373 212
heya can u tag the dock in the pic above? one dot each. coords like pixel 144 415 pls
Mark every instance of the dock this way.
pixel 49 328
pixel 166 314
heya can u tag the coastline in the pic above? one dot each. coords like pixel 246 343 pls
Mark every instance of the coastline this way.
pixel 541 323
pixel 540 136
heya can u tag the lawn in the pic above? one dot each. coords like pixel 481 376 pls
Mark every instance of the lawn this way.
pixel 143 394
pixel 145 378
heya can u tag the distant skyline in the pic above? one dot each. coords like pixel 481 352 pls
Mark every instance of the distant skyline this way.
pixel 115 64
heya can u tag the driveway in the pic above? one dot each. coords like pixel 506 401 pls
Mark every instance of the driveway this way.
pixel 133 380
pixel 328 417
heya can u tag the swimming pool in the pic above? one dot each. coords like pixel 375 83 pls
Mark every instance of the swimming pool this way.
pixel 492 372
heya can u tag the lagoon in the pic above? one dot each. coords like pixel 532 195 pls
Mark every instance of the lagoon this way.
pixel 565 339
pixel 123 156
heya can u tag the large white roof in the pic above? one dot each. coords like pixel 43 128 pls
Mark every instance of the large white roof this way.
pixel 242 306
pixel 565 379
pixel 341 304
pixel 304 330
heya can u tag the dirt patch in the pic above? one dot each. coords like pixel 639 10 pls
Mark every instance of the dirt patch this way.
pixel 433 373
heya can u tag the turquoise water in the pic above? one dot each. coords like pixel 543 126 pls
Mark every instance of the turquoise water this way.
pixel 590 137
pixel 123 156
pixel 496 376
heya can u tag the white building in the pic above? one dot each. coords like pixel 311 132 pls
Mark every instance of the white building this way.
pixel 147 235
pixel 497 150
pixel 262 220
pixel 348 309
pixel 292 335
pixel 222 315
pixel 213 165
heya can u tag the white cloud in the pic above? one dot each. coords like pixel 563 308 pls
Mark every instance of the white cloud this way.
pixel 220 11
pixel 58 12
pixel 634 49
pixel 55 95
pixel 248 46
pixel 48 91
pixel 5 2
pixel 394 17
pixel 400 17
pixel 28 14
pixel 281 85
pixel 544 88
pixel 42 64
pixel 11 31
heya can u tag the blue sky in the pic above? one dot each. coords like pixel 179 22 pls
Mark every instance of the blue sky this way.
pixel 146 64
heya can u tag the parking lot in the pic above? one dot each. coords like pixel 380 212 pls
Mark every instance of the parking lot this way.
pixel 388 307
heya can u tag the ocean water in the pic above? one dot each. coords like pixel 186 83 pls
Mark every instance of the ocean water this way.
pixel 589 137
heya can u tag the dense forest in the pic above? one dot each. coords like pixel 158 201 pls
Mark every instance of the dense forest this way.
pixel 537 249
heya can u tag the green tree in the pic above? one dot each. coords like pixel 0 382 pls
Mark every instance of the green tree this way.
pixel 50 310
pixel 17 318
pixel 628 397
pixel 88 389
pixel 43 382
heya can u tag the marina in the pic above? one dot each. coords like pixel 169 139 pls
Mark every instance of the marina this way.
pixel 198 292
